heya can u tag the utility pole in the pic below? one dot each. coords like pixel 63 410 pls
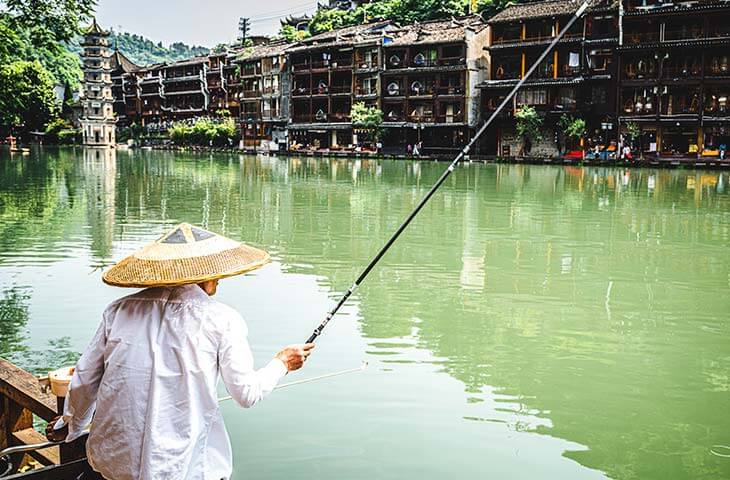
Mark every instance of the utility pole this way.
pixel 244 25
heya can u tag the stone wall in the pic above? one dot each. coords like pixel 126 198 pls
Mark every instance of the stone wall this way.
pixel 544 148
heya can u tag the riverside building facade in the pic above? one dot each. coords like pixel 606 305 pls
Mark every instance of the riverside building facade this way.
pixel 576 79
pixel 674 76
pixel 423 77
pixel 662 69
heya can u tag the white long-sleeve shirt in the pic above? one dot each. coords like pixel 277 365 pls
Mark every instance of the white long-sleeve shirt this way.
pixel 149 379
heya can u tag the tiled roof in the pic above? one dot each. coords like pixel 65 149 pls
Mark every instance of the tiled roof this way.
pixel 120 61
pixel 545 9
pixel 437 31
pixel 95 29
pixel 265 50
pixel 346 35
pixel 188 61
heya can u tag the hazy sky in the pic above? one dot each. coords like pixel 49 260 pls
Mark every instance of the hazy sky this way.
pixel 205 23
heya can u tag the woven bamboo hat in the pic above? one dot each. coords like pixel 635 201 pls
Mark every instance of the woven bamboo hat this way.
pixel 185 255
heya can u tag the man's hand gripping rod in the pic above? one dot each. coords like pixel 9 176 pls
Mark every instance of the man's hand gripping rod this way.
pixel 465 151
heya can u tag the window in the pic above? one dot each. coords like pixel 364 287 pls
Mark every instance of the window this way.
pixel 599 95
pixel 566 97
pixel 534 96
pixel 600 60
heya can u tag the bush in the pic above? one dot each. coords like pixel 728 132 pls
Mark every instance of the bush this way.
pixel 54 128
pixel 203 132
pixel 69 136
pixel 529 124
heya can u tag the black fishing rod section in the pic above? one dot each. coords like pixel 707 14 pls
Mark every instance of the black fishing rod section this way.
pixel 465 151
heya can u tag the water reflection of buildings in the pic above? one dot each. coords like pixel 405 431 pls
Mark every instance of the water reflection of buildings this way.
pixel 100 173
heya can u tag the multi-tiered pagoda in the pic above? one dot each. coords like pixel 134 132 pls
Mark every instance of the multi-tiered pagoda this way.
pixel 97 120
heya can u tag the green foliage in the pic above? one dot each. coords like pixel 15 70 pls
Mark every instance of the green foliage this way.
pixel 400 11
pixel 291 34
pixel 203 131
pixel 489 8
pixel 54 127
pixel 20 43
pixel 61 132
pixel 69 136
pixel 144 51
pixel 369 119
pixel 573 128
pixel 57 19
pixel 220 48
pixel 327 19
pixel 529 124
pixel 26 96
pixel 633 131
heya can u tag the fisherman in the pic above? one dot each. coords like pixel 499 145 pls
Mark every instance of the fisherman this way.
pixel 148 378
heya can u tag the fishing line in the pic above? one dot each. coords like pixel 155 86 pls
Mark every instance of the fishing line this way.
pixel 312 379
pixel 5 454
pixel 720 447
pixel 465 151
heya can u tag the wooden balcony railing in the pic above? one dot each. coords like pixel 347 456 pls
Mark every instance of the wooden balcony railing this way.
pixel 450 90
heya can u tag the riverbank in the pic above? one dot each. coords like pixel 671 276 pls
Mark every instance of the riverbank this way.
pixel 646 162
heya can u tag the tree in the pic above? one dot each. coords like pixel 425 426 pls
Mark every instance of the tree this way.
pixel 60 18
pixel 572 129
pixel 27 99
pixel 633 132
pixel 291 34
pixel 19 43
pixel 369 119
pixel 529 125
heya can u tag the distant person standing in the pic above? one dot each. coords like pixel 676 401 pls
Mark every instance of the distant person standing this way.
pixel 409 149
pixel 723 149
pixel 417 150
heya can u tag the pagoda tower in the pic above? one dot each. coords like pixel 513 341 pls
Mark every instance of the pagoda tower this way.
pixel 98 122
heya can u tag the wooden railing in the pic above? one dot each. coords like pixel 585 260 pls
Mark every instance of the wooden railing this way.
pixel 21 397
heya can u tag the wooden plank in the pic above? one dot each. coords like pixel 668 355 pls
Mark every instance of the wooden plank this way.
pixel 23 388
pixel 68 471
pixel 46 456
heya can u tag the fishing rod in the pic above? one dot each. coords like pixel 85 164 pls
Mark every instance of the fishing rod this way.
pixel 5 454
pixel 465 151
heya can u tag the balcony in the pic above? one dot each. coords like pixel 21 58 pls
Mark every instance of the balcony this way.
pixel 682 34
pixel 449 90
pixel 182 78
pixel 683 72
pixel 636 38
pixel 718 66
pixel 183 92
pixel 270 114
pixel 251 93
pixel 337 117
pixel 426 117
pixel 683 104
pixel 340 90
pixel 366 65
pixel 365 91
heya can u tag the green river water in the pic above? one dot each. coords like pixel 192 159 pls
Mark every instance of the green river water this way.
pixel 535 322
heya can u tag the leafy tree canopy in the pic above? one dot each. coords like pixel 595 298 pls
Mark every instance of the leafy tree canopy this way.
pixel 529 123
pixel 26 96
pixel 367 118
pixel 61 18
pixel 402 12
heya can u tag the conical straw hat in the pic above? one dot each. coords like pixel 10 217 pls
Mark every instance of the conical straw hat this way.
pixel 185 255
